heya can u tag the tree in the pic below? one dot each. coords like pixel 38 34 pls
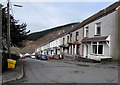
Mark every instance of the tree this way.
pixel 18 31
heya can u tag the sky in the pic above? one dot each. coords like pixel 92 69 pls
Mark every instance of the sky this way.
pixel 45 15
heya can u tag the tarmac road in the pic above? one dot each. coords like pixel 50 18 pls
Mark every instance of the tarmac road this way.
pixel 55 71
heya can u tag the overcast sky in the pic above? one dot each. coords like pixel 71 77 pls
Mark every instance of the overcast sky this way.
pixel 45 15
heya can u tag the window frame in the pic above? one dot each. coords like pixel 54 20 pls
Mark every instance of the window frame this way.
pixel 97 47
pixel 68 39
pixel 63 41
pixel 77 36
pixel 71 37
pixel 96 29
pixel 86 34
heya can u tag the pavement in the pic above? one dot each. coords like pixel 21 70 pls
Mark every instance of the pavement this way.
pixel 18 73
pixel 13 74
pixel 79 63
pixel 56 71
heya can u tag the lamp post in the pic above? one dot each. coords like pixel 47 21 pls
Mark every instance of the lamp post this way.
pixel 17 5
pixel 8 27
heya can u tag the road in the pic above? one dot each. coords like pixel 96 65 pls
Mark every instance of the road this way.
pixel 55 71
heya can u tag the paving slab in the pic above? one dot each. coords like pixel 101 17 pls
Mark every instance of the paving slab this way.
pixel 13 74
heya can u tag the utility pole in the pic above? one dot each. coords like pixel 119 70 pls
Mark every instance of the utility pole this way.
pixel 8 29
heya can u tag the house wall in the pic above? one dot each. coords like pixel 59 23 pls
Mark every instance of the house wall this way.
pixel 108 26
pixel 65 39
pixel 106 50
pixel 84 51
pixel 65 42
pixel 54 45
pixel 61 41
pixel 117 33
pixel 80 37
pixel 0 29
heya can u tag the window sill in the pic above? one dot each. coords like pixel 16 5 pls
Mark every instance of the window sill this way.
pixel 85 37
pixel 97 54
pixel 97 35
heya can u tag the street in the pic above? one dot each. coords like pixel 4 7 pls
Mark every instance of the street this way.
pixel 57 71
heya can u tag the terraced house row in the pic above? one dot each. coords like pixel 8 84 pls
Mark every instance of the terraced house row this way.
pixel 94 38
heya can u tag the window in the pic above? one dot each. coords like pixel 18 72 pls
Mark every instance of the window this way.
pixel 63 40
pixel 97 47
pixel 78 50
pixel 72 26
pixel 67 39
pixel 98 29
pixel 86 31
pixel 100 49
pixel 77 35
pixel 71 37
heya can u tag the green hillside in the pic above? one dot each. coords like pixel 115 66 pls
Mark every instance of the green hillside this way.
pixel 35 36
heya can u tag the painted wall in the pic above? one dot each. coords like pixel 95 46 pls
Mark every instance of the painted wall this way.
pixel 80 37
pixel 108 27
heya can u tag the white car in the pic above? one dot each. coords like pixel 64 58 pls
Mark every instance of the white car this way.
pixel 33 56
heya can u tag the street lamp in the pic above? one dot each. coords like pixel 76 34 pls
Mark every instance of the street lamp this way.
pixel 8 26
pixel 17 5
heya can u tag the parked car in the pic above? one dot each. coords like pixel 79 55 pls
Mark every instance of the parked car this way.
pixel 44 57
pixel 27 55
pixel 38 56
pixel 23 57
pixel 32 56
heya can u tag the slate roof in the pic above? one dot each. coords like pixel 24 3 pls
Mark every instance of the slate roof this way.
pixel 101 13
pixel 76 43
pixel 100 38
pixel 98 15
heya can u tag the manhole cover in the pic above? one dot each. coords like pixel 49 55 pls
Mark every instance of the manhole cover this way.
pixel 79 72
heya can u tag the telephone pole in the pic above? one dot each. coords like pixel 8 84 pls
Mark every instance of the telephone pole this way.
pixel 8 28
